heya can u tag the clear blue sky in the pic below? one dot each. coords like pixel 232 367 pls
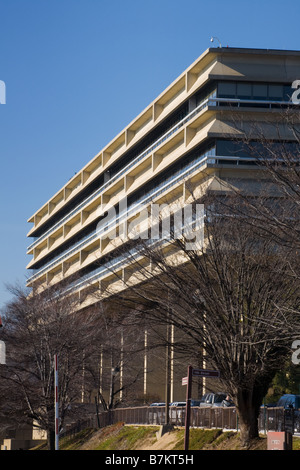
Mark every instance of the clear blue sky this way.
pixel 78 71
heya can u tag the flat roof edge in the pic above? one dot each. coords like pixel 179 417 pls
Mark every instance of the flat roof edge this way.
pixel 249 50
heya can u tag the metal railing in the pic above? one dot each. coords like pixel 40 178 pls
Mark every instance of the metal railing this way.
pixel 270 419
pixel 204 417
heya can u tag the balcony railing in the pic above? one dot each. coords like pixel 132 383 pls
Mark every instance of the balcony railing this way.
pixel 207 157
pixel 210 101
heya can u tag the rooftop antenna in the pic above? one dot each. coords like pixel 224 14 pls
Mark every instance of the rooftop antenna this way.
pixel 213 38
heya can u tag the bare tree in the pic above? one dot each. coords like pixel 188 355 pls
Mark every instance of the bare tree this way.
pixel 234 297
pixel 274 204
pixel 38 326
pixel 121 365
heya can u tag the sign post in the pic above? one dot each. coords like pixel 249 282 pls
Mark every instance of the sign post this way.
pixel 188 382
pixel 188 408
pixel 2 353
pixel 56 403
pixel 2 348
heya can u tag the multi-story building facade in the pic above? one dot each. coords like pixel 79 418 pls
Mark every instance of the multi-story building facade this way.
pixel 188 133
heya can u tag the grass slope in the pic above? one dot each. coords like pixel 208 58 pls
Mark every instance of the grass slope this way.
pixel 125 437
pixel 120 437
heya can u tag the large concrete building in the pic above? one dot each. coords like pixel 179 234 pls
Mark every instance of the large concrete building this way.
pixel 187 134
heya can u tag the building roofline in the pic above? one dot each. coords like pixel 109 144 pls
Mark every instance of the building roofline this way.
pixel 253 51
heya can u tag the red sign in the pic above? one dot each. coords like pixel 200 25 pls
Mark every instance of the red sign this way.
pixel 278 440
pixel 184 381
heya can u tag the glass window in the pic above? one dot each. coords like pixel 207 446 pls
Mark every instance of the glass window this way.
pixel 276 92
pixel 260 91
pixel 226 90
pixel 287 93
pixel 231 148
pixel 244 91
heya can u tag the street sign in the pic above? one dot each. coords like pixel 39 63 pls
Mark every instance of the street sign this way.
pixel 201 373
pixel 205 373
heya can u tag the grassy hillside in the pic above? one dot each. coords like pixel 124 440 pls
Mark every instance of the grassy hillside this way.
pixel 124 437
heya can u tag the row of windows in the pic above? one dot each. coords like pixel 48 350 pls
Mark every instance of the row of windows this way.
pixel 255 91
pixel 255 149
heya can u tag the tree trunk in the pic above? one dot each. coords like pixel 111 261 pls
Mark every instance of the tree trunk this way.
pixel 248 412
